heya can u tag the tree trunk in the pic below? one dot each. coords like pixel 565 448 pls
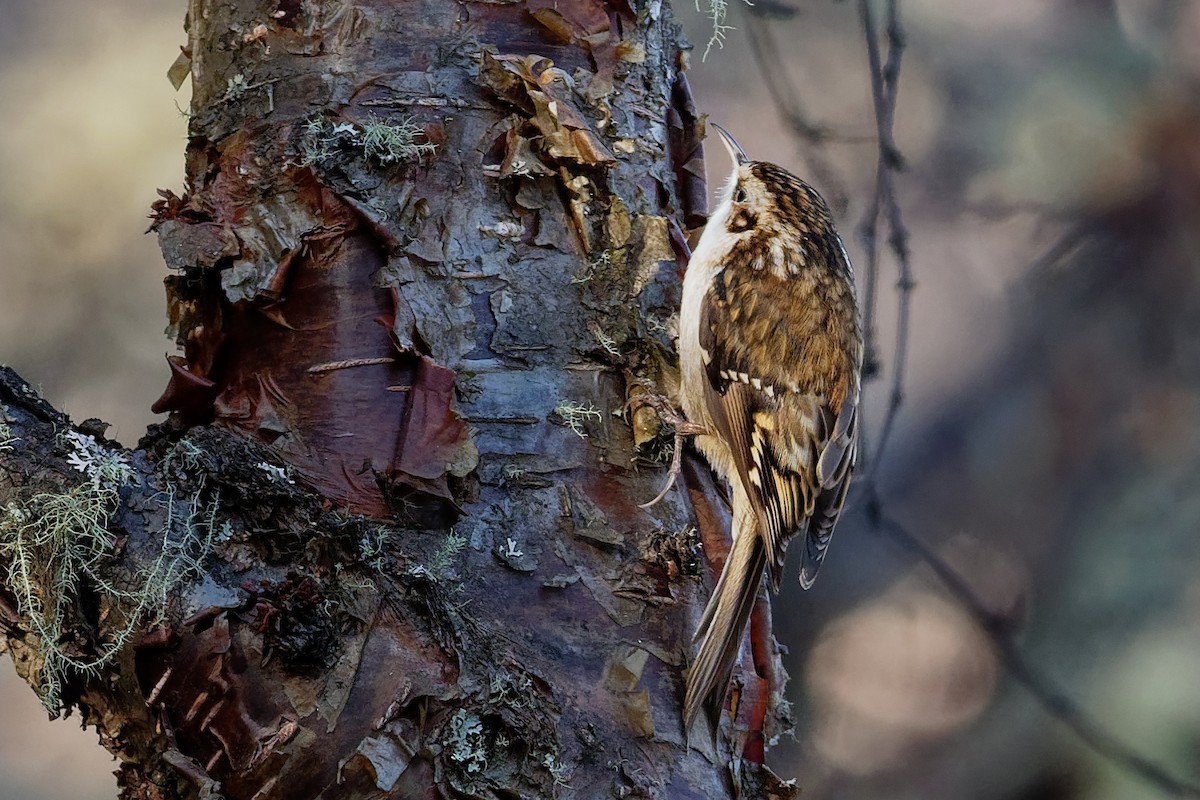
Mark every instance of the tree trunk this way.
pixel 389 542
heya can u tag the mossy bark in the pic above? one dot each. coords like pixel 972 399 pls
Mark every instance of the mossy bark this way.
pixel 428 259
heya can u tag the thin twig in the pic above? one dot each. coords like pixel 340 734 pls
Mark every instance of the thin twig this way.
pixel 1067 243
pixel 1055 702
pixel 349 363
pixel 791 108
pixel 885 80
pixel 783 92
pixel 885 75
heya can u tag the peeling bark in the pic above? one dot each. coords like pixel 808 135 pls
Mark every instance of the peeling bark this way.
pixel 428 255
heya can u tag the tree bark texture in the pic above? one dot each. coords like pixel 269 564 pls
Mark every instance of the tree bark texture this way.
pixel 389 542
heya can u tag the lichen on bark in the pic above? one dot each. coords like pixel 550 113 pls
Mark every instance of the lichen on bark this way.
pixel 426 256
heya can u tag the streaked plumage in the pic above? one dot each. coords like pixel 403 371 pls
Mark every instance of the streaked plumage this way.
pixel 770 355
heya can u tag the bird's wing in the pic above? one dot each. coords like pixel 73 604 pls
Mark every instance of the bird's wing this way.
pixel 836 462
pixel 776 435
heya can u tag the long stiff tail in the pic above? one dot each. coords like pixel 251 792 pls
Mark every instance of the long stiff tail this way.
pixel 721 628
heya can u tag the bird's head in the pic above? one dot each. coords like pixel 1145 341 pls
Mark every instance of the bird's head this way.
pixel 769 216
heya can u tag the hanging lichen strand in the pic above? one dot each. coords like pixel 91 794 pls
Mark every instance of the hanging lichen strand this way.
pixel 427 254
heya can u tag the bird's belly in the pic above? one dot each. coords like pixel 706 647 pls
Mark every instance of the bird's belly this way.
pixel 693 375
pixel 691 355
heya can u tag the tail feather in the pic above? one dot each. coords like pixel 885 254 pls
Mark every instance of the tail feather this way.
pixel 811 557
pixel 722 625
pixel 710 608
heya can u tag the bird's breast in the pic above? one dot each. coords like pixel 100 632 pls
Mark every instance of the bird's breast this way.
pixel 693 360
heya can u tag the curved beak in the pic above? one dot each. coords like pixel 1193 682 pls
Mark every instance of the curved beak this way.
pixel 735 150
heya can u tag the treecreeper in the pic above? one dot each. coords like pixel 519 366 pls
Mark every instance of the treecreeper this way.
pixel 770 349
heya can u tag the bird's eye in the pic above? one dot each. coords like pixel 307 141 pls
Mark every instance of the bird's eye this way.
pixel 740 197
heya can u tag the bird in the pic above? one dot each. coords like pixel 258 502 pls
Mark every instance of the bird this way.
pixel 771 354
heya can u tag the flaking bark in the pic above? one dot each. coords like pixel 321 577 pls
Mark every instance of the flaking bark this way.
pixel 427 255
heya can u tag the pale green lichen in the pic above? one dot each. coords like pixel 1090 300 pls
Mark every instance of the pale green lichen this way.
pixel 318 142
pixel 350 581
pixel 389 142
pixel 598 263
pixel 236 87
pixel 185 453
pixel 56 543
pixel 465 742
pixel 506 689
pixel 607 343
pixel 574 414
pixel 276 473
pixel 372 547
pixel 479 744
pixel 103 466
pixel 656 325
pixel 559 772
pixel 716 11
pixel 384 143
pixel 446 555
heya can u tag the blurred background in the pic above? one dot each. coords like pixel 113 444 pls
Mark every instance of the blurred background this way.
pixel 1048 447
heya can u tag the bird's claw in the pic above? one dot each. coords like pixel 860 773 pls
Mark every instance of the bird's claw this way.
pixel 668 414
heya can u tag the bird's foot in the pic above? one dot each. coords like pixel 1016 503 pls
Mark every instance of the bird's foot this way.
pixel 668 414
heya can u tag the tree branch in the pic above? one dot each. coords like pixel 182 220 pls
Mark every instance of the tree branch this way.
pixel 884 91
pixel 785 96
pixel 885 77
pixel 1050 697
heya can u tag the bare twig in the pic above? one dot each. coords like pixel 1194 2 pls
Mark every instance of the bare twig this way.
pixel 885 77
pixel 1067 243
pixel 783 91
pixel 791 108
pixel 885 73
pixel 349 363
pixel 1052 699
